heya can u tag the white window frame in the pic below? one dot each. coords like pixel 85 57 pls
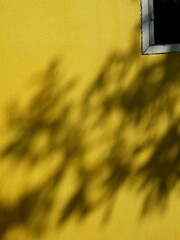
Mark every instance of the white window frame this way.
pixel 147 27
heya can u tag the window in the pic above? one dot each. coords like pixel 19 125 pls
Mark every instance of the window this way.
pixel 160 26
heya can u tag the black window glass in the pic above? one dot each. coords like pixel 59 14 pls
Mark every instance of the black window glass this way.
pixel 167 21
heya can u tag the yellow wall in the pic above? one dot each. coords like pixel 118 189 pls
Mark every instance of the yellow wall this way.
pixel 82 34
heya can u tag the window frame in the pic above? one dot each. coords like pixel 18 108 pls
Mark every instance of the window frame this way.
pixel 147 29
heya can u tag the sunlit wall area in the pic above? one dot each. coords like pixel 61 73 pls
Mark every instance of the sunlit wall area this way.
pixel 89 127
pixel 82 32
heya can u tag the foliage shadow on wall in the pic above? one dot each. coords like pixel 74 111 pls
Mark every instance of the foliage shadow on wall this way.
pixel 124 128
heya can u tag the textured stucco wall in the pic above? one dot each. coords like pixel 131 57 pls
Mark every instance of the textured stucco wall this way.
pixel 82 33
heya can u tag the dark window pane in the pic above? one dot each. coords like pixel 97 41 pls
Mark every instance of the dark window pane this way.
pixel 167 21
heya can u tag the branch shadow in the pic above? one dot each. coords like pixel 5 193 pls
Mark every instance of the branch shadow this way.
pixel 133 103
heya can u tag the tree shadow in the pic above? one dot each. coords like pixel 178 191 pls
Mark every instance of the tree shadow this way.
pixel 129 119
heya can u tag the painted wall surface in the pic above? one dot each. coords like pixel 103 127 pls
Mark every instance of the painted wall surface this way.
pixel 89 127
